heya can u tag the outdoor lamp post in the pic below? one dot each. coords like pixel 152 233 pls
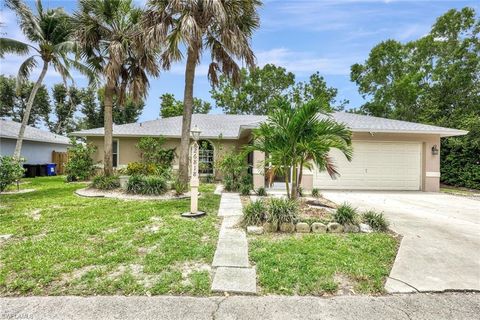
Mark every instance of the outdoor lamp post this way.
pixel 194 180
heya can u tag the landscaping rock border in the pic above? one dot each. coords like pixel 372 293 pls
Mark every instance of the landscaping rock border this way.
pixel 303 227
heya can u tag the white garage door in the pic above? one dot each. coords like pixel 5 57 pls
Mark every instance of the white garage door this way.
pixel 375 166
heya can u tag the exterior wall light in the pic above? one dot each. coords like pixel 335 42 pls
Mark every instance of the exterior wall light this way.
pixel 434 150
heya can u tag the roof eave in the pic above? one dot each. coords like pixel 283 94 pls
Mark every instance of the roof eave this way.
pixel 441 133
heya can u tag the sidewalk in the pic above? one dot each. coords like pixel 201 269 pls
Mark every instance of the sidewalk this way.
pixel 406 306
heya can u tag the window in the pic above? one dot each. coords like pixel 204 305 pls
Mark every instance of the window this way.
pixel 115 153
pixel 205 157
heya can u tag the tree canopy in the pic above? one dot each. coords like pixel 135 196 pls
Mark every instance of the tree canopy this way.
pixel 260 87
pixel 171 107
pixel 435 80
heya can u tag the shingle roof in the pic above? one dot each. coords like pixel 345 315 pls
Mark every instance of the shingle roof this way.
pixel 10 129
pixel 230 126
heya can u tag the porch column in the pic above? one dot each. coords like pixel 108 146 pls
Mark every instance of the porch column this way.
pixel 258 169
pixel 307 180
pixel 431 165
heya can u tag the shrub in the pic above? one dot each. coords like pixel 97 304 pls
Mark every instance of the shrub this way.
pixel 234 167
pixel 300 191
pixel 153 151
pixel 282 211
pixel 377 221
pixel 346 214
pixel 147 185
pixel 254 213
pixel 245 189
pixel 179 186
pixel 209 178
pixel 139 168
pixel 11 170
pixel 103 182
pixel 80 164
pixel 261 192
pixel 316 193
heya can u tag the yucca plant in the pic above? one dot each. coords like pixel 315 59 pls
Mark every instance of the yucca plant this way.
pixel 261 192
pixel 254 213
pixel 316 193
pixel 49 35
pixel 377 221
pixel 345 214
pixel 103 182
pixel 146 185
pixel 282 211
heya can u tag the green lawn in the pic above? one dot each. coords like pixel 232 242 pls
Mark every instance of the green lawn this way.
pixel 65 244
pixel 459 191
pixel 323 263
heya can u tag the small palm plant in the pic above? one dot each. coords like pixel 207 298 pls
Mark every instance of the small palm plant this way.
pixel 49 33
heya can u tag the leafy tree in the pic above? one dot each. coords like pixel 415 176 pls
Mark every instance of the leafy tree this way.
pixel 50 33
pixel 294 137
pixel 13 104
pixel 258 87
pixel 80 164
pixel 65 103
pixel 112 41
pixel 93 106
pixel 11 170
pixel 171 107
pixel 223 27
pixel 435 80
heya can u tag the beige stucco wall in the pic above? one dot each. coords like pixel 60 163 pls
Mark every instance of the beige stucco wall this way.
pixel 128 151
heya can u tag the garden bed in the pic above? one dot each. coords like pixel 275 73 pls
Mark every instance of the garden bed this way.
pixel 122 195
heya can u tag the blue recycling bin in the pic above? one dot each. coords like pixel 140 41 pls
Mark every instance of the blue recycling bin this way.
pixel 51 169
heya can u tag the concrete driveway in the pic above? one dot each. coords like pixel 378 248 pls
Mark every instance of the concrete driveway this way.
pixel 440 249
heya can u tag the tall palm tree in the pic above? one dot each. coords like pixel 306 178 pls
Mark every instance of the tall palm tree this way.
pixel 297 138
pixel 49 33
pixel 224 27
pixel 111 40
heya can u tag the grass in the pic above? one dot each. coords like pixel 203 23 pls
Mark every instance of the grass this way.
pixel 459 191
pixel 63 244
pixel 313 264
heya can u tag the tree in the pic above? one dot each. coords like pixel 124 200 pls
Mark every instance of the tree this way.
pixel 223 27
pixel 49 31
pixel 435 80
pixel 112 41
pixel 295 137
pixel 258 87
pixel 93 106
pixel 13 104
pixel 171 107
pixel 65 103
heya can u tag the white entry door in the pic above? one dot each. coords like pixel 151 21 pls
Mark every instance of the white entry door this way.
pixel 375 166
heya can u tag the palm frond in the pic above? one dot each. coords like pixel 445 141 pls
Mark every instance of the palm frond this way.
pixel 8 45
pixel 24 71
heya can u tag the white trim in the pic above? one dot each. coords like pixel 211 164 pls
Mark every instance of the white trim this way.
pixel 118 152
pixel 432 174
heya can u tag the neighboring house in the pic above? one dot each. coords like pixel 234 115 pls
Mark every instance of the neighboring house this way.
pixel 37 144
pixel 388 154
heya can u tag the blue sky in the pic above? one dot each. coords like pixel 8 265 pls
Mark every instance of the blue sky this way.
pixel 302 36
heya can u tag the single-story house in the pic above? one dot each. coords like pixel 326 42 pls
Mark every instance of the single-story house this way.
pixel 388 154
pixel 37 146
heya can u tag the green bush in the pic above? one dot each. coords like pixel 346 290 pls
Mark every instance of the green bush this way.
pixel 316 193
pixel 254 213
pixel 234 168
pixel 209 178
pixel 11 170
pixel 377 221
pixel 245 189
pixel 140 168
pixel 261 192
pixel 346 214
pixel 153 152
pixel 179 186
pixel 80 164
pixel 103 182
pixel 146 185
pixel 282 211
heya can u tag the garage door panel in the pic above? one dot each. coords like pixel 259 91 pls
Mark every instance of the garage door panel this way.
pixel 376 165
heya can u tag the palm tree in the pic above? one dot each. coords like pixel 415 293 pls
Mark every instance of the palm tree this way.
pixel 111 40
pixel 224 27
pixel 49 32
pixel 298 137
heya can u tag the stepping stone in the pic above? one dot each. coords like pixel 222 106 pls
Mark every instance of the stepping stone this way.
pixel 238 280
pixel 231 253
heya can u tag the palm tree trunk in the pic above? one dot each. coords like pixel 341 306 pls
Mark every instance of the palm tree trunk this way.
pixel 26 115
pixel 187 113
pixel 300 174
pixel 287 170
pixel 108 124
pixel 294 192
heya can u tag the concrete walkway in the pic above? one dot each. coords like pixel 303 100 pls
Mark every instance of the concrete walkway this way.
pixel 404 306
pixel 232 268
